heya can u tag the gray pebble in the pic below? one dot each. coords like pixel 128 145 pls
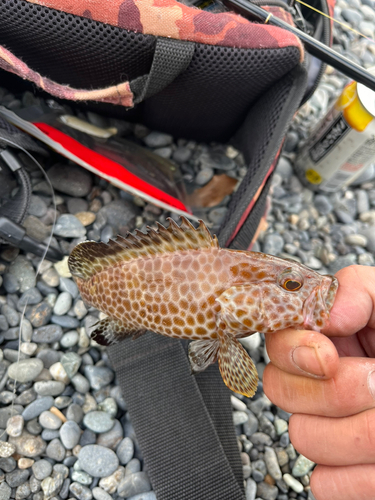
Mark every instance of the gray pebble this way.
pixel 11 315
pixel 273 244
pixel 24 272
pixel 125 451
pixel 302 466
pixel 80 383
pixel 218 160
pixel 322 204
pixel 69 226
pixel 98 376
pixel 150 495
pixel 49 420
pixel 80 491
pixel 47 334
pixel 100 494
pixel 68 285
pixel 87 437
pixel 25 370
pixel 134 484
pixel 75 413
pixel 70 434
pixel 50 434
pixel 98 461
pixel 366 259
pixel 217 214
pixel 17 477
pixel 63 304
pixel 5 491
pixel 284 168
pixel 64 492
pixel 182 154
pixel 239 417
pixel 111 438
pixel 356 240
pixel 49 357
pixel 204 176
pixel 8 464
pixel 272 463
pixel 157 140
pixel 3 323
pixel 98 421
pixel 260 438
pixel 69 339
pixel 133 466
pixel 30 297
pixel 81 477
pixel 15 426
pixel 42 469
pixel 40 314
pixel 284 439
pixel 109 405
pixel 267 491
pixel 56 450
pixel 71 179
pixel 49 387
pixel 37 207
pixel 51 277
pixel 71 362
pixel 65 321
pixel 75 205
pixel 251 425
pixel 163 152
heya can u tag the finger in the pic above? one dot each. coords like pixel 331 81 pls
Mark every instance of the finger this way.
pixel 302 352
pixel 354 305
pixel 350 391
pixel 335 441
pixel 355 482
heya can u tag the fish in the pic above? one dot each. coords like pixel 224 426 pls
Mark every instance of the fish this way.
pixel 178 282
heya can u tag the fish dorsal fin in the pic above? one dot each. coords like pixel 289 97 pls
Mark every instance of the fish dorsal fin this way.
pixel 91 257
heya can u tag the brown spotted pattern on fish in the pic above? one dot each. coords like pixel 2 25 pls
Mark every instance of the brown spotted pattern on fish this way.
pixel 178 282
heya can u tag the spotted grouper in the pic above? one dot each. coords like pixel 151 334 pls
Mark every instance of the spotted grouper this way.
pixel 178 282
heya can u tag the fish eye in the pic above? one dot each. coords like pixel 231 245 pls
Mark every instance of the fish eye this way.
pixel 290 280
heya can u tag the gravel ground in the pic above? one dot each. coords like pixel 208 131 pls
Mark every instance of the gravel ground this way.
pixel 65 430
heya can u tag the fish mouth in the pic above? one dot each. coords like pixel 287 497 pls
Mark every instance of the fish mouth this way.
pixel 322 297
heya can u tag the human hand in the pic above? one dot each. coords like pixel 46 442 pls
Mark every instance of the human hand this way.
pixel 328 383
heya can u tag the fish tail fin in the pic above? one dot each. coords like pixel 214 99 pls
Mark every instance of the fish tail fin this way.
pixel 202 354
pixel 236 367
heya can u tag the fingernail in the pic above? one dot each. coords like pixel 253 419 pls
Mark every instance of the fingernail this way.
pixel 371 383
pixel 307 360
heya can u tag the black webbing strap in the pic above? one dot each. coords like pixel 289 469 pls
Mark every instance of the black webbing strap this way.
pixel 171 58
pixel 183 422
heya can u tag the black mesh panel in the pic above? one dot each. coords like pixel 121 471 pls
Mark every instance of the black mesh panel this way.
pixel 209 101
pixel 71 49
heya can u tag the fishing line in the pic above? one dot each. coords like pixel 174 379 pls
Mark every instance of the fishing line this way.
pixel 335 20
pixel 11 143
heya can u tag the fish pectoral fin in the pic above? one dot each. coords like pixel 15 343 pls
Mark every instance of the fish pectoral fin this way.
pixel 109 331
pixel 236 367
pixel 202 354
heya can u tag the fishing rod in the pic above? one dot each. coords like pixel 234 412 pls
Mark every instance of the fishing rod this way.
pixel 313 46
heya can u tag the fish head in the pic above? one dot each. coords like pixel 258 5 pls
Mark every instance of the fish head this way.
pixel 289 294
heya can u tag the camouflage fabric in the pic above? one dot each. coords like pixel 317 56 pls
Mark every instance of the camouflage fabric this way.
pixel 171 19
pixel 117 94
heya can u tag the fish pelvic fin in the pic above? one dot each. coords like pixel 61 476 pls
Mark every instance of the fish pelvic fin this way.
pixel 90 257
pixel 236 367
pixel 202 354
pixel 110 331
